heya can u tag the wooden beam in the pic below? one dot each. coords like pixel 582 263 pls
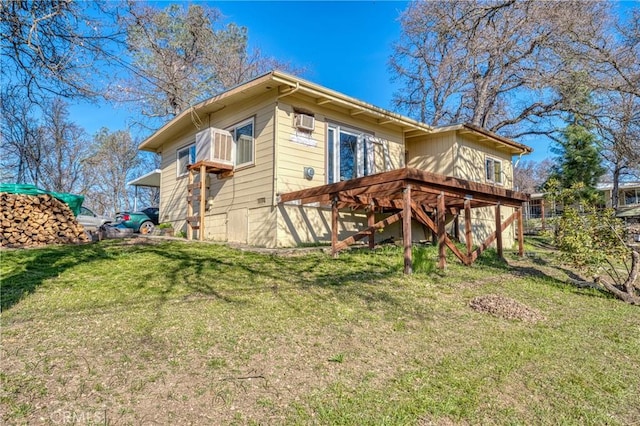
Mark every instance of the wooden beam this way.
pixel 203 199
pixel 423 218
pixel 371 220
pixel 354 112
pixel 366 232
pixel 211 166
pixel 520 234
pixel 323 101
pixel 190 187
pixel 456 226
pixel 406 231
pixel 468 235
pixel 334 228
pixel 486 243
pixel 498 231
pixel 455 250
pixel 441 214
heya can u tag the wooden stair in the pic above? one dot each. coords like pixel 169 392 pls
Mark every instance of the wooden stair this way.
pixel 197 194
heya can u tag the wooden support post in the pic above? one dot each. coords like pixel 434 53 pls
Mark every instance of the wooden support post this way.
pixel 442 246
pixel 371 220
pixel 406 230
pixel 203 201
pixel 520 233
pixel 456 227
pixel 190 206
pixel 334 228
pixel 468 234
pixel 542 214
pixel 498 230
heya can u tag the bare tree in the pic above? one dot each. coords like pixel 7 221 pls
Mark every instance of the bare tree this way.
pixel 618 127
pixel 56 48
pixel 494 64
pixel 19 138
pixel 66 146
pixel 529 176
pixel 114 160
pixel 183 55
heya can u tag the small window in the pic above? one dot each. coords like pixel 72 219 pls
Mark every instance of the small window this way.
pixel 244 140
pixel 493 170
pixel 186 156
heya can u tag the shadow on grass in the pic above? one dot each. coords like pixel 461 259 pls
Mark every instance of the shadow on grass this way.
pixel 539 262
pixel 34 266
pixel 234 276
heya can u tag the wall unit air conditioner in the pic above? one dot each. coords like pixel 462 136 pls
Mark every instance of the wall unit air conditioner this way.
pixel 304 122
pixel 214 145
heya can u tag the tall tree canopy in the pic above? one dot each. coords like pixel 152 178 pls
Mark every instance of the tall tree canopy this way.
pixel 494 64
pixel 56 48
pixel 579 164
pixel 183 55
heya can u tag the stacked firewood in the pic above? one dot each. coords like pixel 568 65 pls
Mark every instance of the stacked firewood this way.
pixel 37 220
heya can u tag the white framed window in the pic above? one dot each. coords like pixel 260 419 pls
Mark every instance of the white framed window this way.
pixel 493 170
pixel 243 137
pixel 350 153
pixel 184 157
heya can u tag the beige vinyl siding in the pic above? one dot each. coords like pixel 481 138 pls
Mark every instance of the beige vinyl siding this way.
pixel 262 226
pixel 470 161
pixel 483 224
pixel 215 227
pixel 308 224
pixel 249 187
pixel 470 165
pixel 433 153
pixel 296 150
pixel 173 189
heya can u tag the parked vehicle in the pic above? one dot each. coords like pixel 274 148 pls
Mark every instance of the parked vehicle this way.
pixel 144 221
pixel 90 220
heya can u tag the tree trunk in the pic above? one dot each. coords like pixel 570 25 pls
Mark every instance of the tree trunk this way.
pixel 615 196
pixel 629 293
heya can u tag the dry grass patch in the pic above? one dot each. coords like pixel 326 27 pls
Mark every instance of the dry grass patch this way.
pixel 178 333
pixel 505 307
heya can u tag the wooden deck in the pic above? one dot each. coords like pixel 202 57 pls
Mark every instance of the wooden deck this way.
pixel 408 194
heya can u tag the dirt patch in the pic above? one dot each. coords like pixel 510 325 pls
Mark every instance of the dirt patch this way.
pixel 504 307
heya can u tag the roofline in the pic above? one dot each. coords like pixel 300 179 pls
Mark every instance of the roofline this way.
pixel 332 95
pixel 326 95
pixel 297 84
pixel 187 112
pixel 487 133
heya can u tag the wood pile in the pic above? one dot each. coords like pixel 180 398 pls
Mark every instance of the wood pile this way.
pixel 37 220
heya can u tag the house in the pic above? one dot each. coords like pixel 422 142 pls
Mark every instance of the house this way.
pixel 538 208
pixel 246 149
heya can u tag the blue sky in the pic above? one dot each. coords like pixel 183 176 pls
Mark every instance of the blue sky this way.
pixel 344 46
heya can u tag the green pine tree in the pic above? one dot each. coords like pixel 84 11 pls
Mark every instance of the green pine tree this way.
pixel 578 165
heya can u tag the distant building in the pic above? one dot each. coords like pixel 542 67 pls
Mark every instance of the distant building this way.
pixel 538 209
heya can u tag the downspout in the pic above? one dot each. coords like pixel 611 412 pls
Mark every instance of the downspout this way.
pixel 276 127
pixel 513 171
pixel 518 160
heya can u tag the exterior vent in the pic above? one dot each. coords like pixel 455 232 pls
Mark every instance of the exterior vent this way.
pixel 304 122
pixel 214 145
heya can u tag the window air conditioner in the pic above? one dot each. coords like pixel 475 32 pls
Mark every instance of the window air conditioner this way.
pixel 304 122
pixel 214 145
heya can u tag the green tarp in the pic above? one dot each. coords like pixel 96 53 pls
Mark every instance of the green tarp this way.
pixel 72 200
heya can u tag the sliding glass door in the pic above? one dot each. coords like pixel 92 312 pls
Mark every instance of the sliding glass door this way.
pixel 350 154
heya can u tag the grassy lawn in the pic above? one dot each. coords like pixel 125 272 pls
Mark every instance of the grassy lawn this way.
pixel 179 333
